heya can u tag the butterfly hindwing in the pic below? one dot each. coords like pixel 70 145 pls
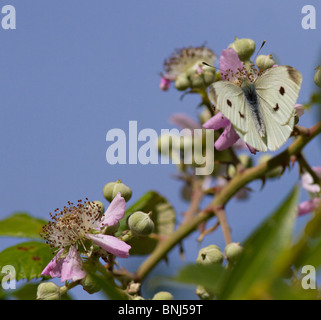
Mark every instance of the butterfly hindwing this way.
pixel 277 89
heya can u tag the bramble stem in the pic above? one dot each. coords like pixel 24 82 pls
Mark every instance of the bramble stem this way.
pixel 241 179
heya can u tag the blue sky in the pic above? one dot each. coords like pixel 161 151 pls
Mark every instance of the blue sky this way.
pixel 73 70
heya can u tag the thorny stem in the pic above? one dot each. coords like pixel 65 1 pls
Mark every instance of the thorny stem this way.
pixel 305 165
pixel 240 180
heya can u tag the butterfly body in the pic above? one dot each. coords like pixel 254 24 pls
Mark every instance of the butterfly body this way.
pixel 261 111
pixel 252 100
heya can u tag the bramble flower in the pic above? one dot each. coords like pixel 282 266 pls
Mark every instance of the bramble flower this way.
pixel 75 229
pixel 185 67
pixel 314 190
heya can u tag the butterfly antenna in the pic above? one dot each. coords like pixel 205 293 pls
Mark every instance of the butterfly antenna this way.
pixel 206 64
pixel 262 45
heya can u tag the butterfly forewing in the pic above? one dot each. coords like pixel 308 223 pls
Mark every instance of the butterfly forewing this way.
pixel 230 100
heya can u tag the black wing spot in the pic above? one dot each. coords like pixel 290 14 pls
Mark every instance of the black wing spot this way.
pixel 282 91
pixel 241 115
pixel 229 103
pixel 276 108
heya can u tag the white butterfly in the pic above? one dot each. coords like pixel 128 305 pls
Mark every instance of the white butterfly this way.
pixel 261 112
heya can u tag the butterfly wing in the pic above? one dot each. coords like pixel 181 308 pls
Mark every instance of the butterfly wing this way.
pixel 231 101
pixel 277 90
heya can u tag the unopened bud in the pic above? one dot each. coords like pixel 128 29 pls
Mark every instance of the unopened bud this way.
pixel 244 48
pixel 182 82
pixel 203 294
pixel 245 160
pixel 90 285
pixel 265 61
pixel 163 295
pixel 96 205
pixel 317 77
pixel 48 291
pixel 140 224
pixel 210 255
pixel 112 188
pixel 233 252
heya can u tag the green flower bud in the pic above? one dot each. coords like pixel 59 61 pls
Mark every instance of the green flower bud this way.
pixel 209 77
pixel 264 62
pixel 182 82
pixel 112 229
pixel 198 81
pixel 48 291
pixel 163 295
pixel 112 188
pixel 274 172
pixel 90 285
pixel 243 47
pixel 245 160
pixel 140 224
pixel 233 252
pixel 210 255
pixel 203 294
pixel 317 77
pixel 205 115
pixel 96 204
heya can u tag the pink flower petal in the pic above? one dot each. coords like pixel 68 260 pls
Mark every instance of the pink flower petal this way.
pixel 164 84
pixel 307 181
pixel 299 109
pixel 216 122
pixel 111 244
pixel 68 268
pixel 71 266
pixel 53 269
pixel 227 138
pixel 230 63
pixel 115 211
pixel 308 206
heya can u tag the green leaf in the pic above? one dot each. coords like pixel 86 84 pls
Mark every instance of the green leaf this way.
pixel 142 245
pixel 210 276
pixel 28 259
pixel 258 266
pixel 163 216
pixel 283 291
pixel 21 225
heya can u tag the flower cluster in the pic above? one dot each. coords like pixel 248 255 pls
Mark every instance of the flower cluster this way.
pixel 73 232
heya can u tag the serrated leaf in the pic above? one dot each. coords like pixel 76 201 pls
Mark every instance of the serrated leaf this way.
pixel 21 225
pixel 256 269
pixel 28 259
